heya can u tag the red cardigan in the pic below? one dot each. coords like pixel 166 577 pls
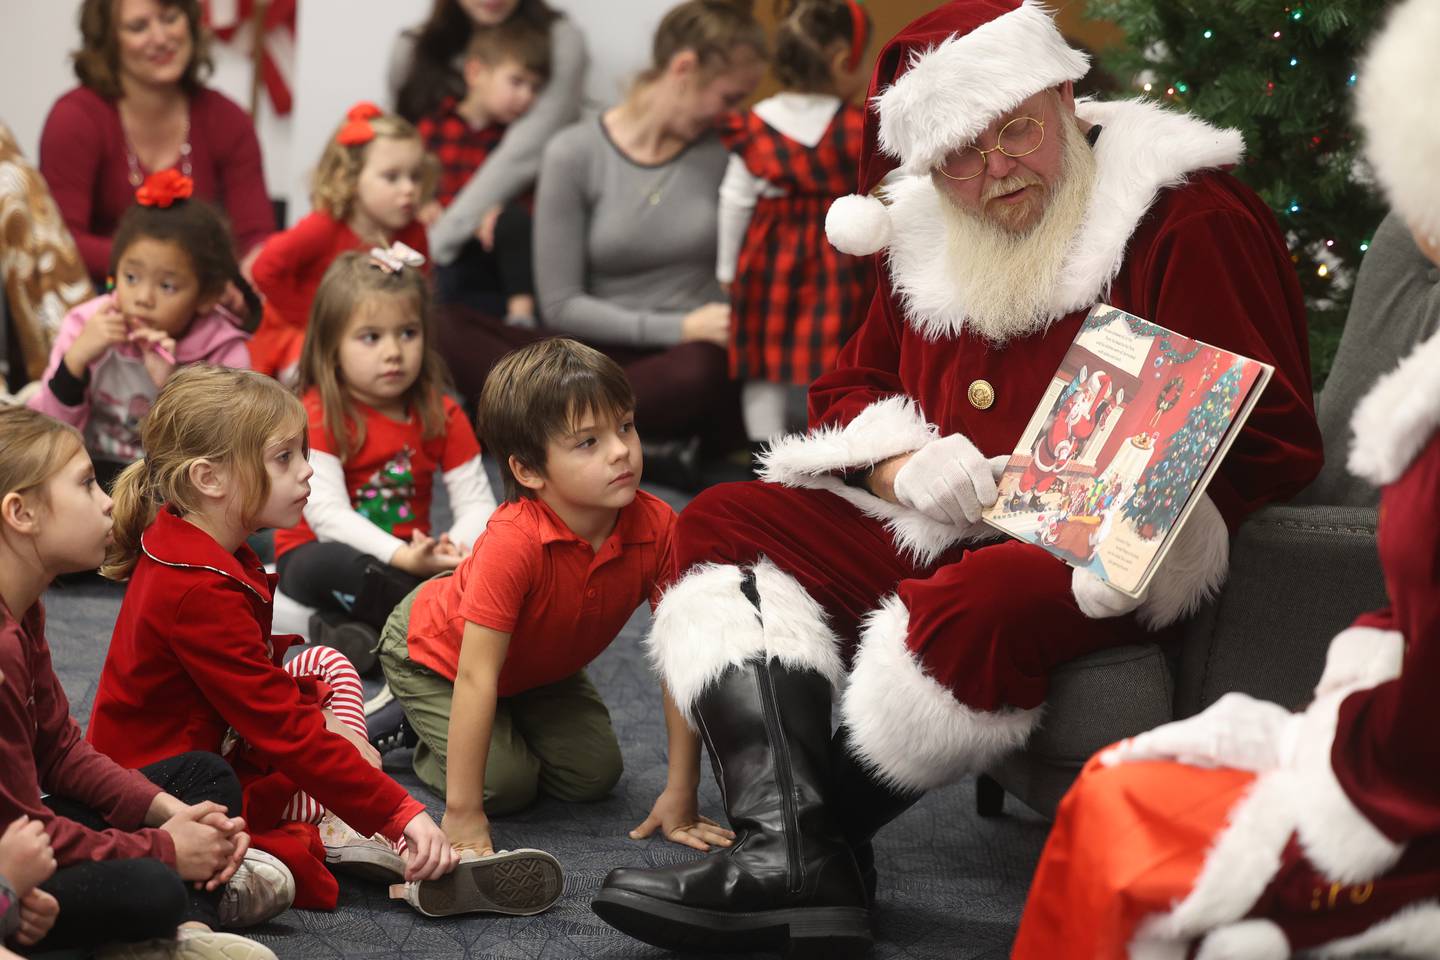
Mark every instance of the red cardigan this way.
pixel 83 159
pixel 192 659
pixel 288 272
pixel 42 751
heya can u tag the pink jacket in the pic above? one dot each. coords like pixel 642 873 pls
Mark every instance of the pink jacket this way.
pixel 120 390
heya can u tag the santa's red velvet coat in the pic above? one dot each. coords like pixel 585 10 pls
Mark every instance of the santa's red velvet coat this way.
pixel 192 659
pixel 948 642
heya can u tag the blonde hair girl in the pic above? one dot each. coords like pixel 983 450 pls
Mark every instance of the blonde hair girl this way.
pixel 225 456
pixel 55 519
pixel 380 429
pixel 371 181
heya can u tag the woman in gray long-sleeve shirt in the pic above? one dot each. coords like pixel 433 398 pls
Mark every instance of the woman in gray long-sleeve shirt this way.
pixel 425 67
pixel 625 224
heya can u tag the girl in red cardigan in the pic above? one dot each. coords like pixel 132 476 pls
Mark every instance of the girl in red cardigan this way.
pixel 371 181
pixel 110 854
pixel 225 456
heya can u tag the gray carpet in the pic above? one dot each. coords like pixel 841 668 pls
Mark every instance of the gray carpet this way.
pixel 951 885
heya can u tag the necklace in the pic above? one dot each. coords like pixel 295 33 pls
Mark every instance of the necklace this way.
pixel 137 176
pixel 655 191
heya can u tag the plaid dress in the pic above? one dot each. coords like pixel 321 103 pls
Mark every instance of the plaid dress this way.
pixel 796 299
pixel 460 148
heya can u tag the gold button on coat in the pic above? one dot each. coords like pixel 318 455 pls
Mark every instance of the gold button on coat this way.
pixel 982 395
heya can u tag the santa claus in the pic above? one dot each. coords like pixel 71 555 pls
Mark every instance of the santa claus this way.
pixel 1079 414
pixel 1250 832
pixel 859 568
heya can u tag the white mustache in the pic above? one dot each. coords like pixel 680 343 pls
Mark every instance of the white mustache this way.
pixel 1009 185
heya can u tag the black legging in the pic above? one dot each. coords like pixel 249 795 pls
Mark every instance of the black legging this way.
pixel 485 280
pixel 139 899
pixel 319 574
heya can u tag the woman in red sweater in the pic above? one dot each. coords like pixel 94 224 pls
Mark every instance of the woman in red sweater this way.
pixel 369 186
pixel 142 107
pixel 225 456
pixel 136 853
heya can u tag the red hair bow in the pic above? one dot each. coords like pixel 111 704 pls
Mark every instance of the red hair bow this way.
pixel 164 188
pixel 357 128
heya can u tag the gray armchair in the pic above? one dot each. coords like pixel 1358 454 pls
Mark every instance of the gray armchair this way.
pixel 1299 573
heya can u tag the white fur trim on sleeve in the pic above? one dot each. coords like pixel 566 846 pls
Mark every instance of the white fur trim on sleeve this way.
pixel 1402 138
pixel 705 625
pixel 1361 657
pixel 951 92
pixel 885 429
pixel 1246 940
pixel 1398 416
pixel 471 500
pixel 331 516
pixel 1411 932
pixel 1192 571
pixel 908 728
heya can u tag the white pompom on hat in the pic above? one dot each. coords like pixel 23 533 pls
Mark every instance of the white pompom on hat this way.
pixel 940 82
pixel 1395 105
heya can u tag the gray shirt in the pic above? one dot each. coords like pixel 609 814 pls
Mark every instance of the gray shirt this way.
pixel 624 251
pixel 512 166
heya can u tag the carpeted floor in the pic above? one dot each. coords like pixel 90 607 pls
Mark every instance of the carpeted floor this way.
pixel 951 885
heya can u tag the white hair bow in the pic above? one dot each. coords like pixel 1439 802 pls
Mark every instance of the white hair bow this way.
pixel 397 258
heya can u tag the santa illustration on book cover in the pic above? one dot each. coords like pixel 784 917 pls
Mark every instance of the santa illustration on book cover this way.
pixel 1134 422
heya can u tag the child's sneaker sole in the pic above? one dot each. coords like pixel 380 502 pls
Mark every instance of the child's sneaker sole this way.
pixel 514 882
pixel 189 945
pixel 367 864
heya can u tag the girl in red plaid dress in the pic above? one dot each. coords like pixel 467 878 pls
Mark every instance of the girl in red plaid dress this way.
pixel 795 298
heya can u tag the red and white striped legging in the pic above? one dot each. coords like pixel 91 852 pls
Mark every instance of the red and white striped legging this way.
pixel 346 701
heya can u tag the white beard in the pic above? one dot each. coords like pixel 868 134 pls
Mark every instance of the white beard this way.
pixel 1010 278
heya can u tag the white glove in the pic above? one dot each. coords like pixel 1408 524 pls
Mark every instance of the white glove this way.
pixel 949 480
pixel 1236 731
pixel 1097 599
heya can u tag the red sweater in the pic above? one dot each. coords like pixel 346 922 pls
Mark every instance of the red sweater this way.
pixel 192 658
pixel 288 272
pixel 83 159
pixel 42 751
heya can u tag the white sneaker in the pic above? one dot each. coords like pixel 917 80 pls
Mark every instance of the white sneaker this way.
pixel 382 697
pixel 346 851
pixel 189 943
pixel 263 888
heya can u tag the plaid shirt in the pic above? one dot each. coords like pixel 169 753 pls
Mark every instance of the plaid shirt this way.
pixel 459 147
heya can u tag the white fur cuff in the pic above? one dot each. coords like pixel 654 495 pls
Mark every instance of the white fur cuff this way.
pixel 906 726
pixel 885 429
pixel 1192 571
pixel 1361 657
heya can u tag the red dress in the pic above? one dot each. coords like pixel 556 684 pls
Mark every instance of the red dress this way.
pixel 796 299
pixel 288 272
pixel 1359 853
pixel 193 666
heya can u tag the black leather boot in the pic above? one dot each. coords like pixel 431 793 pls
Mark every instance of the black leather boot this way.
pixel 789 882
pixel 863 804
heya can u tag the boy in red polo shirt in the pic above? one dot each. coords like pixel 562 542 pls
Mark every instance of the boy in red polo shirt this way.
pixel 488 662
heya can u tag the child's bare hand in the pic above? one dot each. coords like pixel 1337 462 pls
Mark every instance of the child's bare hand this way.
pixel 201 850
pixel 234 828
pixel 420 557
pixel 445 547
pixel 430 213
pixel 157 351
pixel 468 831
pixel 365 748
pixel 429 854
pixel 104 329
pixel 485 233
pixel 26 859
pixel 38 911
pixel 676 815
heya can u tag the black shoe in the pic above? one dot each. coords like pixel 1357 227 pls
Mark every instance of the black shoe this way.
pixel 358 641
pixel 863 804
pixel 389 730
pixel 789 880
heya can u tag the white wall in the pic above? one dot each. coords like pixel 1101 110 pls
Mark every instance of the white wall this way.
pixel 342 53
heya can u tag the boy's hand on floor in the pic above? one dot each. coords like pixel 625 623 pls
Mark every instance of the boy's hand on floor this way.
pixel 26 859
pixel 38 911
pixel 429 854
pixel 468 831
pixel 676 815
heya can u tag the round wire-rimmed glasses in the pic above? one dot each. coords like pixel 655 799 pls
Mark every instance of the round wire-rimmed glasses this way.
pixel 1018 138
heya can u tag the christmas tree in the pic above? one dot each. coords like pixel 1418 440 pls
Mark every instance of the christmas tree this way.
pixel 1283 74
pixel 1166 485
pixel 384 499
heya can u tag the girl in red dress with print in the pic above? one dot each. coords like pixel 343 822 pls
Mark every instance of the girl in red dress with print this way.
pixel 193 665
pixel 381 428
pixel 371 182
pixel 1248 832
pixel 795 299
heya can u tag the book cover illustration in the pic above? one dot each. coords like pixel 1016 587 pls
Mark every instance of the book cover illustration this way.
pixel 1131 428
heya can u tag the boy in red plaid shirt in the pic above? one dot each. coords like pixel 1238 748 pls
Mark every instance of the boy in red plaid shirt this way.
pixel 505 68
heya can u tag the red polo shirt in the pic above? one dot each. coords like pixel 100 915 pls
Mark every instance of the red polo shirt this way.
pixel 561 601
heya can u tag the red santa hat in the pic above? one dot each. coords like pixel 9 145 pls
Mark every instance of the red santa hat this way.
pixel 1395 107
pixel 940 82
